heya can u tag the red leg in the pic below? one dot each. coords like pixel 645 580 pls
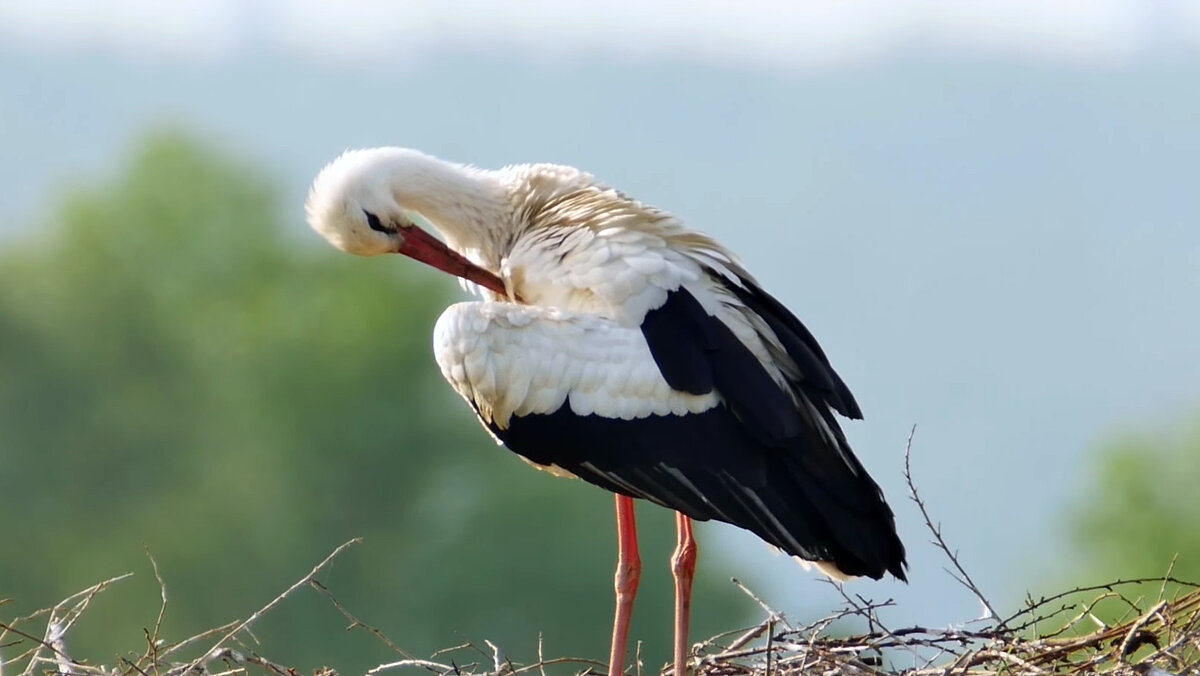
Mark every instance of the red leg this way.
pixel 683 569
pixel 629 572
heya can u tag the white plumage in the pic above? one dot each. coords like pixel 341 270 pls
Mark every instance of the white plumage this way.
pixel 510 359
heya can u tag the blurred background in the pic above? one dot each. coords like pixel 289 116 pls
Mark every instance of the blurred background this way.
pixel 986 212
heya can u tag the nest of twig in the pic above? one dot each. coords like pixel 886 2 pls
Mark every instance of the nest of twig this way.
pixel 1154 634
pixel 1060 634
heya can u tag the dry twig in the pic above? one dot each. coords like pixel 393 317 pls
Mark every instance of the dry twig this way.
pixel 962 577
pixel 244 624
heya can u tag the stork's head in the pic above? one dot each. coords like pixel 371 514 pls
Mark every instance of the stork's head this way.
pixel 360 202
pixel 352 205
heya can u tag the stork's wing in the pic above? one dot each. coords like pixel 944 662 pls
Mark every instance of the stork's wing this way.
pixel 698 352
pixel 592 397
pixel 816 377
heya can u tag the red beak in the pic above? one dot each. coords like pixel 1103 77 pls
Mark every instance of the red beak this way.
pixel 424 247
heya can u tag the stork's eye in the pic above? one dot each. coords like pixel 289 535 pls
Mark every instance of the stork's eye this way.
pixel 377 225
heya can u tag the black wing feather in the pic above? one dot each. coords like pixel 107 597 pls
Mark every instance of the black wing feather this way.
pixel 799 343
pixel 681 349
pixel 738 375
pixel 707 466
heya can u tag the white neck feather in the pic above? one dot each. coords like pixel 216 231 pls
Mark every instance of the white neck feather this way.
pixel 469 207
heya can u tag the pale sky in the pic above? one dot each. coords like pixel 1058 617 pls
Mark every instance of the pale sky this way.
pixel 764 33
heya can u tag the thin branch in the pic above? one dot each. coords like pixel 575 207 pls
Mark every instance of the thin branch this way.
pixel 498 659
pixel 164 653
pixel 162 592
pixel 261 611
pixel 962 577
pixel 356 623
pixel 559 660
pixel 239 658
pixel 1135 628
pixel 427 664
pixel 771 612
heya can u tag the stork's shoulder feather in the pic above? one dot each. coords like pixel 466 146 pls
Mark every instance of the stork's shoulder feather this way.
pixel 582 245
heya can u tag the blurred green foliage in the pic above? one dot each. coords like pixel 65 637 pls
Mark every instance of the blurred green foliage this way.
pixel 1142 513
pixel 1136 521
pixel 181 375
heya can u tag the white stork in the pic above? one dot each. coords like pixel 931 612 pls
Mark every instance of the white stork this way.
pixel 616 345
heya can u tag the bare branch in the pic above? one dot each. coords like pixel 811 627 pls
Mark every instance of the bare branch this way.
pixel 356 623
pixel 162 592
pixel 962 576
pixel 261 611
pixel 771 612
